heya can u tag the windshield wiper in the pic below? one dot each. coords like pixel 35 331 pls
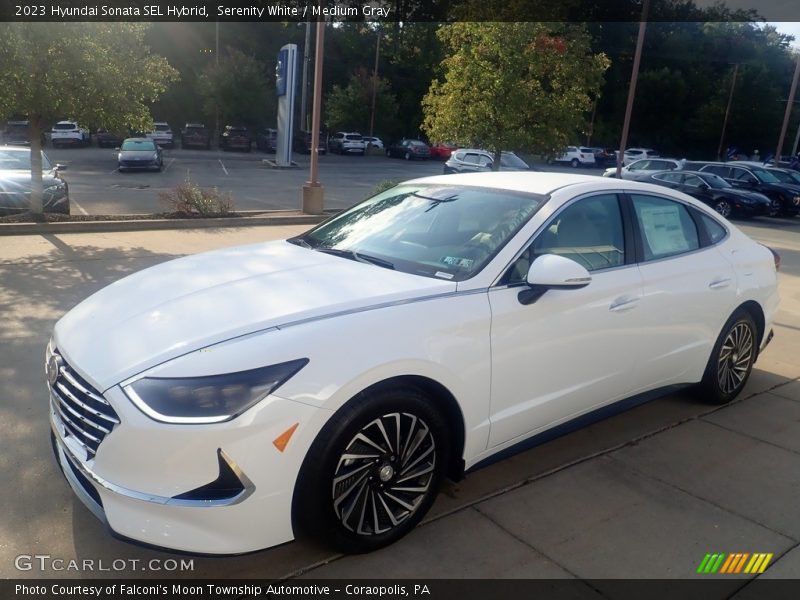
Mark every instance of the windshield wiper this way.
pixel 300 241
pixel 357 256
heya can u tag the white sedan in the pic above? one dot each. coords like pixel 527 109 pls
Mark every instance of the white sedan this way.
pixel 223 402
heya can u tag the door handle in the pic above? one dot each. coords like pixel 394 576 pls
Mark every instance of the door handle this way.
pixel 720 283
pixel 624 303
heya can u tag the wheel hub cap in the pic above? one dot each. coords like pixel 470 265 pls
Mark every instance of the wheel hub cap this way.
pixel 386 473
pixel 735 358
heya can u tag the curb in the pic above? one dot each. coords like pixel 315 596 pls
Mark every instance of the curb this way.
pixel 293 218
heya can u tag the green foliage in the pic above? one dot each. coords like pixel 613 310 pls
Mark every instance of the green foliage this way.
pixel 190 199
pixel 96 73
pixel 513 86
pixel 240 88
pixel 384 185
pixel 348 108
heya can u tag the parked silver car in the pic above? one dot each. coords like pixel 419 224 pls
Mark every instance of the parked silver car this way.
pixel 474 160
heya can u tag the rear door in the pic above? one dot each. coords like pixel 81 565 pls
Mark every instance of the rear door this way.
pixel 686 283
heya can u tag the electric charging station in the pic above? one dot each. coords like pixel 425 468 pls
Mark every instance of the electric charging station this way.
pixel 286 75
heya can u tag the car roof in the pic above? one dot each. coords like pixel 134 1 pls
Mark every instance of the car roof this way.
pixel 521 181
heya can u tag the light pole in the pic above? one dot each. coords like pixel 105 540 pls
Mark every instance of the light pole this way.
pixel 374 86
pixel 788 112
pixel 637 58
pixel 304 95
pixel 313 192
pixel 727 112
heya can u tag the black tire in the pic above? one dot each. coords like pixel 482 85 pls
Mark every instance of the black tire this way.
pixel 574 163
pixel 775 207
pixel 388 153
pixel 330 509
pixel 724 208
pixel 731 360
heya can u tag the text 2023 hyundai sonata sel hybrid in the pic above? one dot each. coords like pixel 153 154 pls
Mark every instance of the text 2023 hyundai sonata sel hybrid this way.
pixel 221 402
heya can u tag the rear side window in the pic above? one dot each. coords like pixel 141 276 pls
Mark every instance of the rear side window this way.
pixel 666 227
pixel 717 170
pixel 715 231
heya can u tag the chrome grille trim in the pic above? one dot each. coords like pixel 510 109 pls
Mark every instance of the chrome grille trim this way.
pixel 87 417
pixel 86 407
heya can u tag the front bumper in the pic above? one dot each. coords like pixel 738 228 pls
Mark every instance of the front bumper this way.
pixel 141 480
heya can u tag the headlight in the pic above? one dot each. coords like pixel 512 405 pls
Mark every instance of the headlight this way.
pixel 211 399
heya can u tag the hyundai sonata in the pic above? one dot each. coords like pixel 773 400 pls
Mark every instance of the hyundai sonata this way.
pixel 222 402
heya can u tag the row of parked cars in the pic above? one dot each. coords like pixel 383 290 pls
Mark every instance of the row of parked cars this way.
pixel 741 188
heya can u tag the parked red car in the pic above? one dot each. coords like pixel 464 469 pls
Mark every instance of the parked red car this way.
pixel 442 151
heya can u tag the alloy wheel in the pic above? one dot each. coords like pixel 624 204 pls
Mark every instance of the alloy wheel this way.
pixel 723 207
pixel 774 207
pixel 384 474
pixel 735 357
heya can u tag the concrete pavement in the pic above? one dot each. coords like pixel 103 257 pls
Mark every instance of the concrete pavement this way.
pixel 646 493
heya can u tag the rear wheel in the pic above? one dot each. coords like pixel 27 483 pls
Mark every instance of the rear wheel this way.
pixel 774 207
pixel 731 360
pixel 407 156
pixel 574 162
pixel 373 471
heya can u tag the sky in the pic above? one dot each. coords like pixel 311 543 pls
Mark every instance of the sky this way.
pixel 790 28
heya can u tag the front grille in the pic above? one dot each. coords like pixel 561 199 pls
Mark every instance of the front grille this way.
pixel 86 415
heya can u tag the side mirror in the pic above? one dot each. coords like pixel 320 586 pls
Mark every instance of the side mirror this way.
pixel 60 167
pixel 117 148
pixel 703 187
pixel 553 272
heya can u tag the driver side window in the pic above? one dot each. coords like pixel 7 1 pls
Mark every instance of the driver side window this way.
pixel 589 231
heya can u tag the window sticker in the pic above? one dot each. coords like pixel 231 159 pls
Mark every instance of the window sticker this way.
pixel 663 229
pixel 455 261
pixel 443 275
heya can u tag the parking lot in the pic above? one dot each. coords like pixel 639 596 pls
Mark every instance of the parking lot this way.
pixel 644 494
pixel 97 187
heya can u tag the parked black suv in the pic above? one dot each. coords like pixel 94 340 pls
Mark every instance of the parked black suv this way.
pixel 784 197
pixel 195 135
pixel 301 142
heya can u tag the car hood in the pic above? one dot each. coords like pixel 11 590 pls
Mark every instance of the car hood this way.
pixel 745 194
pixel 780 187
pixel 189 303
pixel 17 179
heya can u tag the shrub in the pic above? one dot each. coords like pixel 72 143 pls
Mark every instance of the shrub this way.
pixel 190 199
pixel 383 186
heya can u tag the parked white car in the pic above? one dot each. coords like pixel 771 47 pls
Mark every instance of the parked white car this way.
pixel 373 142
pixel 643 168
pixel 576 156
pixel 219 403
pixel 162 134
pixel 632 154
pixel 347 143
pixel 69 133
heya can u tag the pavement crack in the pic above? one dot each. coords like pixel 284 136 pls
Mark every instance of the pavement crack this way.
pixel 751 437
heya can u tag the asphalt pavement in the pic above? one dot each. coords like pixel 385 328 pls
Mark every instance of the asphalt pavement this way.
pixel 644 494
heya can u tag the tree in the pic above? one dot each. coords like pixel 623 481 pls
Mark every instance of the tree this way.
pixel 100 73
pixel 240 88
pixel 349 108
pixel 520 86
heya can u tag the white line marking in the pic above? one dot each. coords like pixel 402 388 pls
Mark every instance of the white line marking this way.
pixel 78 206
pixel 223 166
pixel 114 171
pixel 171 160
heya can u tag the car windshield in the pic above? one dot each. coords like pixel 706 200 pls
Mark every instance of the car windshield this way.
pixel 163 127
pixel 715 181
pixel 784 176
pixel 142 145
pixel 20 160
pixel 765 176
pixel 509 159
pixel 446 232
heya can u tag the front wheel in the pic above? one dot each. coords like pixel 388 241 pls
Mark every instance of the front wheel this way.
pixel 724 208
pixel 774 207
pixel 574 162
pixel 731 360
pixel 373 471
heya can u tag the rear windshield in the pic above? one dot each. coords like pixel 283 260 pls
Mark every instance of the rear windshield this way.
pixel 238 131
pixel 138 145
pixel 162 127
pixel 65 126
pixel 355 138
